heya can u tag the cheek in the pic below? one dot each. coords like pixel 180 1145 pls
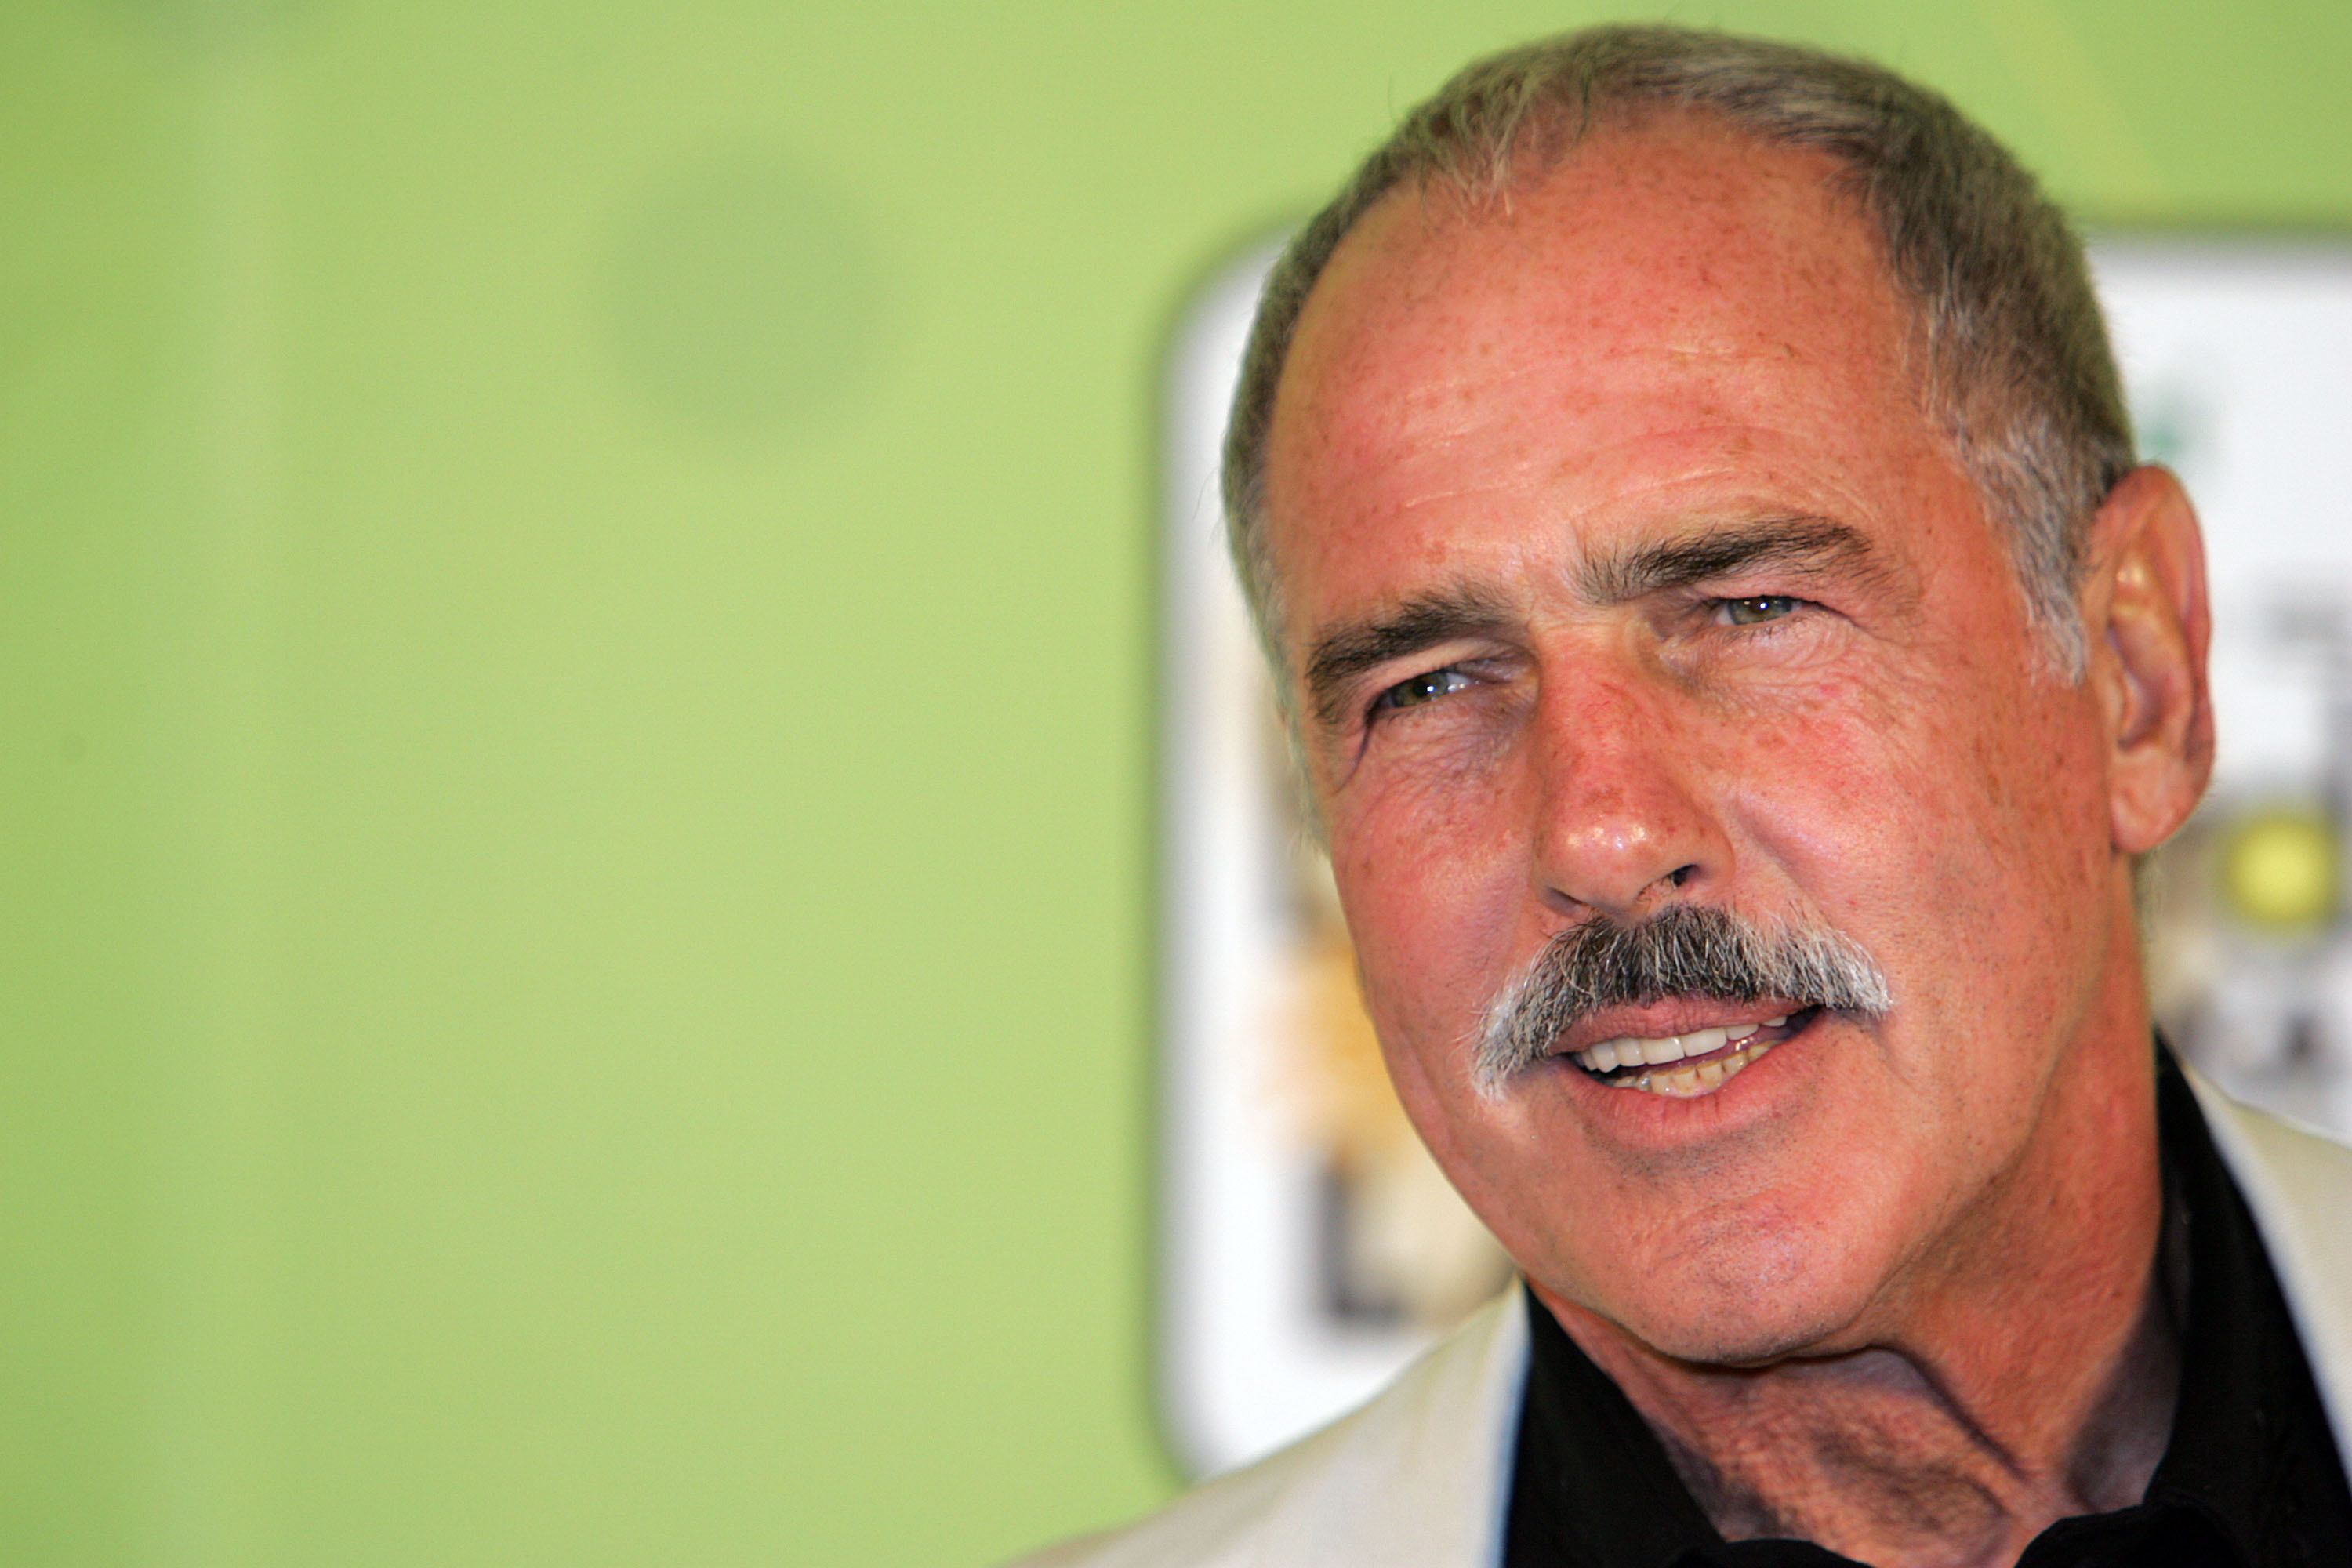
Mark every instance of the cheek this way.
pixel 1949 828
pixel 1433 893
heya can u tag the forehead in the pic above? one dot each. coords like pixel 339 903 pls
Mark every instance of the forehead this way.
pixel 1678 321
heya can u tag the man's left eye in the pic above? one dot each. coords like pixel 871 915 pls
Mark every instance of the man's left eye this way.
pixel 1421 688
pixel 1760 608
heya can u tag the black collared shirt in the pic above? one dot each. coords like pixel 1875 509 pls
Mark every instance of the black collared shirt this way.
pixel 2251 1477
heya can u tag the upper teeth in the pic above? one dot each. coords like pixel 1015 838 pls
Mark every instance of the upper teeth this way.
pixel 1632 1051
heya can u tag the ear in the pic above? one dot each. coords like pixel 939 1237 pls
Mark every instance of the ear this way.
pixel 2148 623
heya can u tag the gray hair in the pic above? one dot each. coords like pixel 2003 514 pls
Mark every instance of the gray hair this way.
pixel 2019 373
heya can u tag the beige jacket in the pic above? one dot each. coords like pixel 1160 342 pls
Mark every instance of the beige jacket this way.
pixel 1419 1478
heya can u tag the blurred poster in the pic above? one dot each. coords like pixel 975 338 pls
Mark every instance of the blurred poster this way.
pixel 1309 1246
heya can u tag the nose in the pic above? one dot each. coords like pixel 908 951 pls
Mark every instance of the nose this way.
pixel 1622 824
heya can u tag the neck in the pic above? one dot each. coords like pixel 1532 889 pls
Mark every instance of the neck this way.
pixel 2027 1374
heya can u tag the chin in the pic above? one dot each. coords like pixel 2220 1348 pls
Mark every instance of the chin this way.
pixel 1746 1302
pixel 1742 1339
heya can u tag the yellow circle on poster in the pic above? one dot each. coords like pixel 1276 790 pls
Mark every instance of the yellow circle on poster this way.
pixel 2279 868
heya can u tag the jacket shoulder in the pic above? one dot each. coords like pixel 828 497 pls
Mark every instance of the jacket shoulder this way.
pixel 1415 1479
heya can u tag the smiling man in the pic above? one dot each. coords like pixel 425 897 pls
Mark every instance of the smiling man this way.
pixel 1737 665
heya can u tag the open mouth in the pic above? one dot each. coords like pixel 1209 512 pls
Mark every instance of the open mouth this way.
pixel 1685 1067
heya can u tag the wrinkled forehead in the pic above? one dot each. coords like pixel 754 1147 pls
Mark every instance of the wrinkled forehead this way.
pixel 1673 299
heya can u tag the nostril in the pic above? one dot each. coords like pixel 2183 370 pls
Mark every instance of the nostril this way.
pixel 1682 874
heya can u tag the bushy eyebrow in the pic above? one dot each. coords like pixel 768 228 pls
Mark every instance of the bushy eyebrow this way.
pixel 1812 545
pixel 1346 651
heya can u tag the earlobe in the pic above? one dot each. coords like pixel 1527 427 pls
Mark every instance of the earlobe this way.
pixel 2148 624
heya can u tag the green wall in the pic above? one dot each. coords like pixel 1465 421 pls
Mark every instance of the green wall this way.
pixel 575 657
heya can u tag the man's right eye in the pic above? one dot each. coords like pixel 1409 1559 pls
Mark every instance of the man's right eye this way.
pixel 1421 688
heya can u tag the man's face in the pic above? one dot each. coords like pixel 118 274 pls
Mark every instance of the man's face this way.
pixel 1623 570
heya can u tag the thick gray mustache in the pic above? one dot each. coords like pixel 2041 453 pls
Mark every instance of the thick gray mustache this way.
pixel 1690 950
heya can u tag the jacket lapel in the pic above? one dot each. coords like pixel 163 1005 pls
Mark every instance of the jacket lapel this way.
pixel 1418 1478
pixel 2299 1185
